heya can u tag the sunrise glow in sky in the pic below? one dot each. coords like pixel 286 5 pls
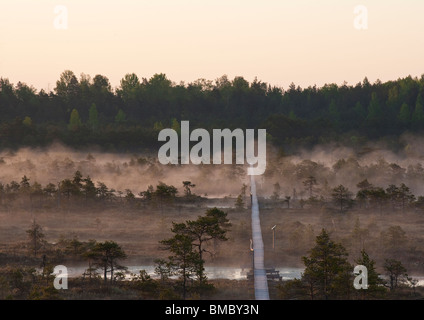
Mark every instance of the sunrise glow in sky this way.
pixel 306 42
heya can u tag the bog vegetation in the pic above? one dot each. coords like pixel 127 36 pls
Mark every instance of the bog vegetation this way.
pixel 324 229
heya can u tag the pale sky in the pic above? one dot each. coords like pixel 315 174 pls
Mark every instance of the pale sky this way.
pixel 302 41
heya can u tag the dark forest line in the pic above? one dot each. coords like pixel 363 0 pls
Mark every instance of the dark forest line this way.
pixel 85 111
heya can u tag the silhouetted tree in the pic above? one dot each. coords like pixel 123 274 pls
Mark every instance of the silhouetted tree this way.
pixel 342 196
pixel 183 261
pixel 36 237
pixel 395 271
pixel 309 184
pixel 327 269
pixel 187 188
pixel 106 256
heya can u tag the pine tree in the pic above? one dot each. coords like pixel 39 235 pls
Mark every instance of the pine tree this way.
pixel 187 188
pixel 89 189
pixel 327 269
pixel 309 184
pixel 184 261
pixel 395 272
pixel 36 237
pixel 342 197
pixel 374 281
pixel 106 256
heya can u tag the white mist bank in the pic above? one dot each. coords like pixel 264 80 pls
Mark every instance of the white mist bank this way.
pixel 137 171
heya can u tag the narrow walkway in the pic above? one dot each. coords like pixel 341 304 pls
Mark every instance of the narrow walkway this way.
pixel 260 278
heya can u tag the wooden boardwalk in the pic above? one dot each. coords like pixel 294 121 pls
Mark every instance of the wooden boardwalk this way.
pixel 260 276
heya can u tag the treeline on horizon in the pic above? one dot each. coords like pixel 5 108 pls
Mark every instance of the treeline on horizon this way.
pixel 88 111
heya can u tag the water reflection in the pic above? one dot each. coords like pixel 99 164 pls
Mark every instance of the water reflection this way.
pixel 230 273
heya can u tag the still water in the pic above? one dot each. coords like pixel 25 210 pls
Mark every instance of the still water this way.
pixel 230 273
